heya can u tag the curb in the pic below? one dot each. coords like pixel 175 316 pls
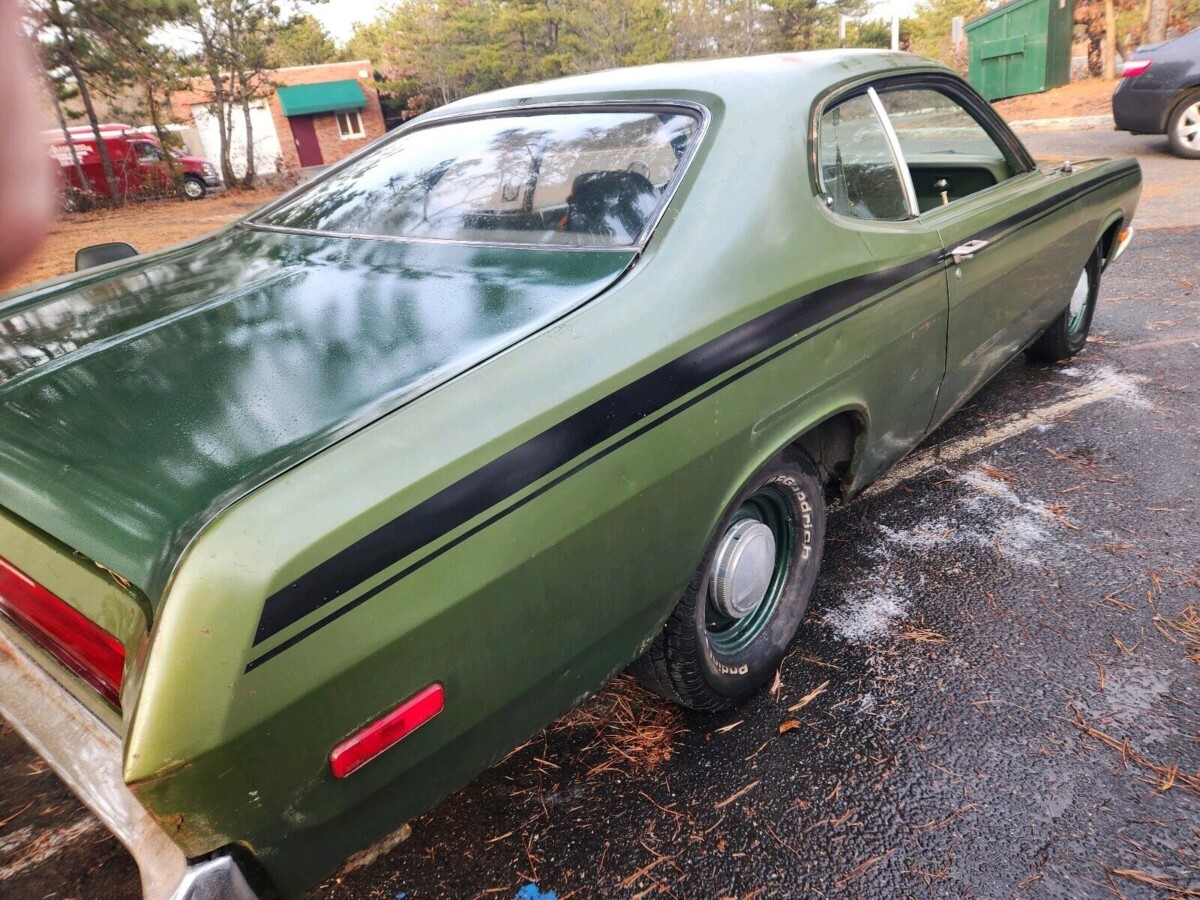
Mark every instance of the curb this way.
pixel 1066 123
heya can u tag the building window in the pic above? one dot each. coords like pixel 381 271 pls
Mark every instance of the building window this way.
pixel 350 124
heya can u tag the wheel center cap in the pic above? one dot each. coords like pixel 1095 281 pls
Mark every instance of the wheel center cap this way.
pixel 742 568
pixel 1079 297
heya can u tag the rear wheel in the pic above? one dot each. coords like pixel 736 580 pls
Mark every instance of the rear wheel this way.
pixel 1068 333
pixel 749 594
pixel 1184 127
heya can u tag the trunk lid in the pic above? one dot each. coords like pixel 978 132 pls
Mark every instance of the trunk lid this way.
pixel 138 401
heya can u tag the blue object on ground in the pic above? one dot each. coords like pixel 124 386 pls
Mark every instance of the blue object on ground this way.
pixel 533 892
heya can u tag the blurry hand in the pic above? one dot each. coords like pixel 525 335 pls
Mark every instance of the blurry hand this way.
pixel 26 190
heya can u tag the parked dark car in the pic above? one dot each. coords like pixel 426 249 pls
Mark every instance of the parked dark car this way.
pixel 1159 93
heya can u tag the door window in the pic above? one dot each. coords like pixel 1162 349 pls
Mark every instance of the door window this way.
pixel 858 170
pixel 148 152
pixel 948 153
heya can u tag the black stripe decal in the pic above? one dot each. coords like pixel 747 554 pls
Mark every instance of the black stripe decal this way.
pixel 784 347
pixel 524 465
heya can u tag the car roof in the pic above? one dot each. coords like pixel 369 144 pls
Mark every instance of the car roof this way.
pixel 742 79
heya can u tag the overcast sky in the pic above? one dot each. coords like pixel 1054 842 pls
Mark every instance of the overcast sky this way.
pixel 339 16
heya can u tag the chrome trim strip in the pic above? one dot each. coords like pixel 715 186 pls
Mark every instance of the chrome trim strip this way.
pixel 86 754
pixel 398 239
pixel 910 192
pixel 431 120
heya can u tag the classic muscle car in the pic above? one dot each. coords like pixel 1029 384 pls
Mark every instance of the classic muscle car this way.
pixel 309 521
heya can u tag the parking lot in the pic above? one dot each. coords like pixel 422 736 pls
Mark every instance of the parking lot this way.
pixel 996 693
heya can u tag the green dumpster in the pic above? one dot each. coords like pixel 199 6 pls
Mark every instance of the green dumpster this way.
pixel 1023 47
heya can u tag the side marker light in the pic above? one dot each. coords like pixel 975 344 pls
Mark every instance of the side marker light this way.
pixel 359 749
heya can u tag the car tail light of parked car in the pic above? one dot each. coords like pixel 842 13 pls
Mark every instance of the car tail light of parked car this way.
pixel 1135 67
pixel 74 640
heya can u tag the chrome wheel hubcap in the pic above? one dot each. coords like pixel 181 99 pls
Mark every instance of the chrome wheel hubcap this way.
pixel 1077 311
pixel 742 568
pixel 1079 298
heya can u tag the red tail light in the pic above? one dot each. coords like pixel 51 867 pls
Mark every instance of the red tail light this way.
pixel 357 751
pixel 73 639
pixel 1135 67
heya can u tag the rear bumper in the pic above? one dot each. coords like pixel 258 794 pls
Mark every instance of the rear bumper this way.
pixel 86 754
pixel 1140 112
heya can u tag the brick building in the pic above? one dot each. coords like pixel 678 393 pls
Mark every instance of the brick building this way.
pixel 308 116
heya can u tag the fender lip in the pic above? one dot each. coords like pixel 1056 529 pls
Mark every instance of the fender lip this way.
pixel 86 754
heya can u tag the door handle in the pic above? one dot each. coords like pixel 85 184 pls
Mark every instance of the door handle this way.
pixel 966 251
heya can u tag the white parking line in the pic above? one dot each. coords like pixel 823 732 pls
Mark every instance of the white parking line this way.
pixel 38 848
pixel 1105 384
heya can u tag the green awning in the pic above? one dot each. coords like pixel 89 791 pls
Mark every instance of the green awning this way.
pixel 327 96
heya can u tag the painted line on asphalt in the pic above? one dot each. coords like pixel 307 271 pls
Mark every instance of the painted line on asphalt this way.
pixel 33 850
pixel 1106 384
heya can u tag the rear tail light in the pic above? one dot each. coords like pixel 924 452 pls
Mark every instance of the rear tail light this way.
pixel 62 631
pixel 357 751
pixel 1135 67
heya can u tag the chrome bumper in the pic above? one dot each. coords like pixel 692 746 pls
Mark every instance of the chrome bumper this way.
pixel 1123 241
pixel 86 755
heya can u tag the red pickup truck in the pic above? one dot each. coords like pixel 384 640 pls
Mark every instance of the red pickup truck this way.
pixel 138 160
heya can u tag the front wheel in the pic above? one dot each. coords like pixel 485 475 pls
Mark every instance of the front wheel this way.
pixel 1068 333
pixel 731 628
pixel 194 188
pixel 1183 130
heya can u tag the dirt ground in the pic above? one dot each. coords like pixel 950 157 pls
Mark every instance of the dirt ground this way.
pixel 148 225
pixel 1092 97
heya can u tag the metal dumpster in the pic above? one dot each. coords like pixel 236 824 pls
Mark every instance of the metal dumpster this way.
pixel 1023 47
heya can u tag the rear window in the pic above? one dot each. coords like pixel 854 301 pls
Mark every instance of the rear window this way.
pixel 561 178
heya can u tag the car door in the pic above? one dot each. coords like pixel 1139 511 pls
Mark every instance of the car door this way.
pixel 899 346
pixel 1013 249
pixel 153 176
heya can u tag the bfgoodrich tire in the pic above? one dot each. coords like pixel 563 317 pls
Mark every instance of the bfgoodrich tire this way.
pixel 1067 334
pixel 748 596
pixel 1183 128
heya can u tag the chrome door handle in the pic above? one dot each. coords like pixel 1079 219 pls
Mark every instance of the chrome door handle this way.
pixel 966 251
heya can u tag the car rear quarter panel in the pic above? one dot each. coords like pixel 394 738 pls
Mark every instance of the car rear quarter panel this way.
pixel 539 608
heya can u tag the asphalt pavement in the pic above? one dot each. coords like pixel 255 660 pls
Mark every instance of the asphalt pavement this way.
pixel 996 692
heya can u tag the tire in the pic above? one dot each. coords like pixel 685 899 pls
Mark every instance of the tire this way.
pixel 706 658
pixel 194 188
pixel 1183 128
pixel 1068 333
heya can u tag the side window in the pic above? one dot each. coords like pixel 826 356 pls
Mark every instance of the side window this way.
pixel 147 152
pixel 948 153
pixel 857 168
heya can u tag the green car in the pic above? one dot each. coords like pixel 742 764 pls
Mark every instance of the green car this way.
pixel 307 522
